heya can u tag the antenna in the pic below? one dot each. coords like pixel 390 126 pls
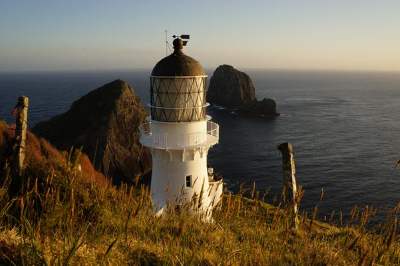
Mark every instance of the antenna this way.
pixel 166 42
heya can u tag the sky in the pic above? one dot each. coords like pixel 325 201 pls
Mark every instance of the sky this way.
pixel 266 34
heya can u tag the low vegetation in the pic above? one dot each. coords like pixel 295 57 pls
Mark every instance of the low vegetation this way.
pixel 66 213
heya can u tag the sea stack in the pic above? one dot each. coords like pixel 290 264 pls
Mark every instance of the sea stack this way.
pixel 179 134
pixel 234 89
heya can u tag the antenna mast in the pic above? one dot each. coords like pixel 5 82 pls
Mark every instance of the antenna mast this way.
pixel 166 42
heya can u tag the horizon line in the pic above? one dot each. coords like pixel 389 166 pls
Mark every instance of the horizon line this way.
pixel 207 69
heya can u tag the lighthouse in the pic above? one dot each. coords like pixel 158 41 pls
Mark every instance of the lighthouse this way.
pixel 179 134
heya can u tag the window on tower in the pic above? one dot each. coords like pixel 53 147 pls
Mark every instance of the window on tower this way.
pixel 188 181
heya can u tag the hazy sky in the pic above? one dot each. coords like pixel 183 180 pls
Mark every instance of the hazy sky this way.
pixel 127 34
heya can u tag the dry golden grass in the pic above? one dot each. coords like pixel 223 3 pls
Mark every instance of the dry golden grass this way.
pixel 65 216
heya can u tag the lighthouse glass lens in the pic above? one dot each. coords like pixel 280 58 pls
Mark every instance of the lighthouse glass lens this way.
pixel 177 99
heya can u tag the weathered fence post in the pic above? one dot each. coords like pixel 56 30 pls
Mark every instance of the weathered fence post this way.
pixel 289 193
pixel 21 125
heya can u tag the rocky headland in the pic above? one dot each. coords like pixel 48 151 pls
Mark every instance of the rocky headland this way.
pixel 235 90
pixel 105 125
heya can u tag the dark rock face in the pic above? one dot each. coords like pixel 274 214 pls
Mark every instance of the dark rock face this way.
pixel 104 123
pixel 234 89
pixel 230 87
pixel 265 108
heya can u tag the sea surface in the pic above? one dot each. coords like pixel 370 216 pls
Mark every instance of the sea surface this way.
pixel 344 127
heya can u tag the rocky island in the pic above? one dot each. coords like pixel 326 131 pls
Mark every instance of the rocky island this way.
pixel 234 89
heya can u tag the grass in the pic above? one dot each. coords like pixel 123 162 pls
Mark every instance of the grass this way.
pixel 66 213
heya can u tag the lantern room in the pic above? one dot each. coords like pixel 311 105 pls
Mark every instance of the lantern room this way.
pixel 178 88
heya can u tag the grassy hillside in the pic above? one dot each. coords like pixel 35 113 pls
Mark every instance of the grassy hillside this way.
pixel 66 213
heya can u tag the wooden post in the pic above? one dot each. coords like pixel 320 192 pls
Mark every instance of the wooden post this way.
pixel 289 193
pixel 21 125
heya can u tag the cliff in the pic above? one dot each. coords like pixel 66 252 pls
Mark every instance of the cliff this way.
pixel 234 89
pixel 43 161
pixel 104 123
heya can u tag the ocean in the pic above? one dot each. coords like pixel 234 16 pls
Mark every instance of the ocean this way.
pixel 343 125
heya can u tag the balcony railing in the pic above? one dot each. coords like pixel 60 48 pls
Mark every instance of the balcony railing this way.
pixel 212 129
pixel 163 141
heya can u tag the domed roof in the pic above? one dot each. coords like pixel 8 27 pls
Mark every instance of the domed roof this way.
pixel 178 64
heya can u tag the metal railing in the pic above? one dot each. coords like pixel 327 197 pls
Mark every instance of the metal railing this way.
pixel 213 129
pixel 147 137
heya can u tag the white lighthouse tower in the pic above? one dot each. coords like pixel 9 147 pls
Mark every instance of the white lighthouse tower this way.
pixel 179 134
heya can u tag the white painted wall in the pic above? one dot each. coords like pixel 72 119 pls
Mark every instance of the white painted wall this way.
pixel 168 184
